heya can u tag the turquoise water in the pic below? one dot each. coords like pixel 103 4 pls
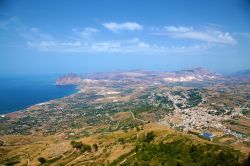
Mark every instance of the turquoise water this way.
pixel 19 92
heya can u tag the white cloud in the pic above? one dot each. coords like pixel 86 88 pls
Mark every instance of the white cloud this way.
pixel 106 46
pixel 57 46
pixel 41 36
pixel 205 35
pixel 35 34
pixel 72 44
pixel 132 46
pixel 43 45
pixel 87 32
pixel 143 45
pixel 80 41
pixel 115 27
pixel 12 21
pixel 178 29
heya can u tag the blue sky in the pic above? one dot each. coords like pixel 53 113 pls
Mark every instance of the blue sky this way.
pixel 105 35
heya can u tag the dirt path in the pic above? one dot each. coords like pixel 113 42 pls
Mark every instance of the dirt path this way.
pixel 71 163
pixel 123 161
pixel 70 153
pixel 137 118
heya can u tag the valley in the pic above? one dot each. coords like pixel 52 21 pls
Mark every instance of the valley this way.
pixel 117 110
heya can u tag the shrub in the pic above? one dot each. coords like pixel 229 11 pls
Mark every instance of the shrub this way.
pixel 42 160
pixel 95 146
pixel 137 128
pixel 86 147
pixel 121 141
pixel 77 145
pixel 149 137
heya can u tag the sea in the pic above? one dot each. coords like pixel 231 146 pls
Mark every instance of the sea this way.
pixel 21 91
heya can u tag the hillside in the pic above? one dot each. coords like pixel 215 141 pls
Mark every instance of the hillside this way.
pixel 150 144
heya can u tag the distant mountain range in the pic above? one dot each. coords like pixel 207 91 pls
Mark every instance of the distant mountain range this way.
pixel 187 75
pixel 196 74
pixel 241 75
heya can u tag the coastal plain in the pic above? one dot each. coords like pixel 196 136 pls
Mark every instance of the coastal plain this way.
pixel 120 118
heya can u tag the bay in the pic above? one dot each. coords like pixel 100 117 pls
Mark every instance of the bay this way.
pixel 20 92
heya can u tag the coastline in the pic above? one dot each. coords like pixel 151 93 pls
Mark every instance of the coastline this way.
pixel 14 114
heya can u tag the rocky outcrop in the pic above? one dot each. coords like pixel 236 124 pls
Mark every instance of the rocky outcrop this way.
pixel 69 79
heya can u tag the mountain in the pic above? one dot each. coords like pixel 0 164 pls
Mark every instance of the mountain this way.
pixel 189 75
pixel 69 79
pixel 196 74
pixel 243 75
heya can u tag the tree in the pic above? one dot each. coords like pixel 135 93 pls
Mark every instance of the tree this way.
pixel 121 141
pixel 247 161
pixel 42 160
pixel 137 128
pixel 95 146
pixel 149 137
pixel 72 143
pixel 178 164
pixel 77 145
pixel 86 147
